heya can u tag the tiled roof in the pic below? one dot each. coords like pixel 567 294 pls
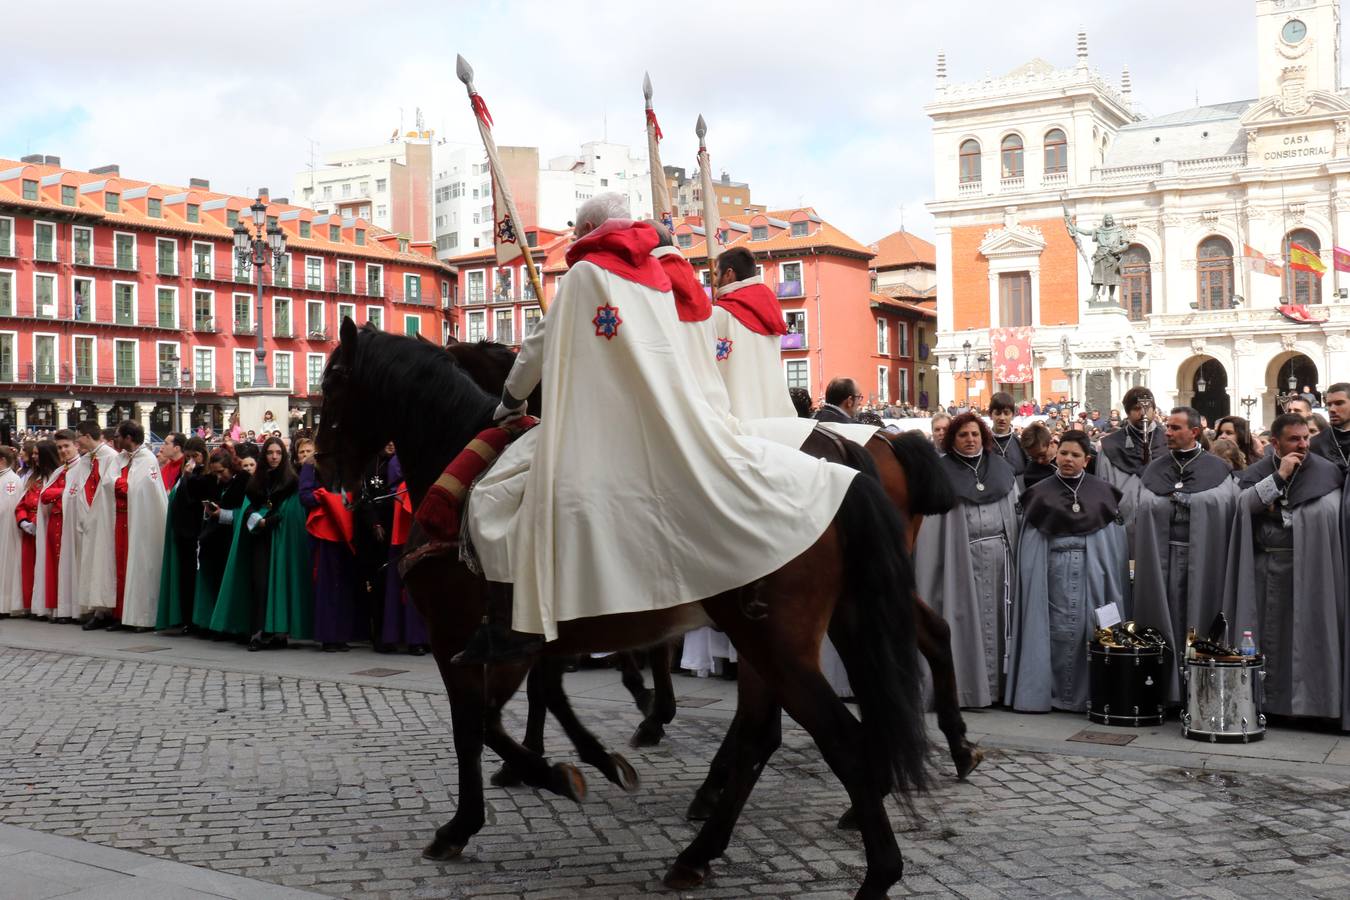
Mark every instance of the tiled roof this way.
pixel 908 292
pixel 173 217
pixel 821 235
pixel 917 309
pixel 901 248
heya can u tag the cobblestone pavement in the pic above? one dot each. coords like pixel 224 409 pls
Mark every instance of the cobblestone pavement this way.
pixel 335 787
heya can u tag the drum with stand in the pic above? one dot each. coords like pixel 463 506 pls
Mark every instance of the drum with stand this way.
pixel 1223 699
pixel 1126 684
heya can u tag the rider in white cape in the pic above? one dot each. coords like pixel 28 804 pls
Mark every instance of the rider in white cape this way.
pixel 638 496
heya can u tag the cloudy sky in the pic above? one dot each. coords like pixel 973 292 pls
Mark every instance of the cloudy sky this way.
pixel 812 103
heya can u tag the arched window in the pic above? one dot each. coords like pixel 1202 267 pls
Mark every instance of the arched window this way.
pixel 1011 156
pixel 1214 262
pixel 970 161
pixel 1056 151
pixel 1301 286
pixel 1136 282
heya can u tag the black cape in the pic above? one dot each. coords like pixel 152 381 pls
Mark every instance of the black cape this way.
pixel 1125 450
pixel 1006 446
pixel 1048 506
pixel 1036 472
pixel 1324 445
pixel 1313 480
pixel 1204 473
pixel 995 474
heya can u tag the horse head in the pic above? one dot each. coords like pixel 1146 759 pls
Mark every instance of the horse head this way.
pixel 340 443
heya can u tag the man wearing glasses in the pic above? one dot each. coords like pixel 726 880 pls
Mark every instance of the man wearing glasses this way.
pixel 841 401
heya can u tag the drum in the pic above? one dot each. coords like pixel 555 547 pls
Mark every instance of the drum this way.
pixel 1126 685
pixel 1222 700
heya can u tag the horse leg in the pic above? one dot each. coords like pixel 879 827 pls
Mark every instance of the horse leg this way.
pixel 759 733
pixel 533 769
pixel 719 773
pixel 934 637
pixel 631 674
pixel 465 687
pixel 661 711
pixel 534 726
pixel 592 752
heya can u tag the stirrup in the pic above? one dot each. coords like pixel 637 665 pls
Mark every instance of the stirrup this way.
pixel 495 643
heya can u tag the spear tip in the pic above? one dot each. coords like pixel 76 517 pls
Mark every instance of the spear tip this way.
pixel 701 128
pixel 647 86
pixel 463 69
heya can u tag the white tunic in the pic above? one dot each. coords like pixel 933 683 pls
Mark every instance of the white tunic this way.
pixel 638 496
pixel 72 508
pixel 39 607
pixel 147 509
pixel 97 586
pixel 751 365
pixel 11 544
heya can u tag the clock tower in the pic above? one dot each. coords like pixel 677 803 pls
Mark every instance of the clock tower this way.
pixel 1298 43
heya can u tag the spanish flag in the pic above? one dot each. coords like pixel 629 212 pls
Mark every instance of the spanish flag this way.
pixel 1305 260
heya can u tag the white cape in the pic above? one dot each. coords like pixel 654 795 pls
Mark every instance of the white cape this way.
pixel 752 368
pixel 11 544
pixel 97 587
pixel 72 510
pixel 40 587
pixel 147 508
pixel 638 497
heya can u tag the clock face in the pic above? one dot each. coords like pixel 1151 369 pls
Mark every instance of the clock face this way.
pixel 1294 31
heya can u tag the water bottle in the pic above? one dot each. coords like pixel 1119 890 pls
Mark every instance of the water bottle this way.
pixel 1248 646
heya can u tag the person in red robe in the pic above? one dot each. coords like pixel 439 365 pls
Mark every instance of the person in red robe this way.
pixel 171 460
pixel 50 502
pixel 44 461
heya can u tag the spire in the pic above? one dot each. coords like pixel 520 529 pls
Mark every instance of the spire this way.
pixel 942 68
pixel 1125 85
pixel 1082 49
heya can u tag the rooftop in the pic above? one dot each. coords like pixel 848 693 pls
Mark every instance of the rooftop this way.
pixel 900 249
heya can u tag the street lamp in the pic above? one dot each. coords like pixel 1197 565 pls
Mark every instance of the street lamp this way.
pixel 1200 384
pixel 259 249
pixel 965 347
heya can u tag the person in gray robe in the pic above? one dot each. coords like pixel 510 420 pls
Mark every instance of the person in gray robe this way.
pixel 1002 408
pixel 1334 444
pixel 964 559
pixel 1286 578
pixel 1181 533
pixel 1129 450
pixel 1071 559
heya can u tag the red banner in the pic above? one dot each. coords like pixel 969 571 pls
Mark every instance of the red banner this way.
pixel 1012 354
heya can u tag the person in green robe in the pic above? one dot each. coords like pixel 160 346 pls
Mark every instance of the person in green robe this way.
pixel 182 525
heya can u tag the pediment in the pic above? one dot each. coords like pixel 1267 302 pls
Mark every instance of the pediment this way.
pixel 1012 240
pixel 1293 107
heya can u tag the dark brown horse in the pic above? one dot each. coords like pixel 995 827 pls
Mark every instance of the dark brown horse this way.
pixel 380 387
pixel 907 468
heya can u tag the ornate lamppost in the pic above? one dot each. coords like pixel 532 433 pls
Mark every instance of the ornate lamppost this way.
pixel 259 249
pixel 966 349
pixel 951 361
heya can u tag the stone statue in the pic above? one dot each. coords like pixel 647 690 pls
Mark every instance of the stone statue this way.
pixel 1111 246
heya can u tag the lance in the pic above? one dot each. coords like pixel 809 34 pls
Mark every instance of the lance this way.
pixel 1073 232
pixel 507 228
pixel 660 193
pixel 710 219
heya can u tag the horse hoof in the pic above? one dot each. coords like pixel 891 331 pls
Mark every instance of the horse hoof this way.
pixel 683 877
pixel 973 758
pixel 439 851
pixel 700 808
pixel 625 776
pixel 569 782
pixel 849 821
pixel 647 736
pixel 505 778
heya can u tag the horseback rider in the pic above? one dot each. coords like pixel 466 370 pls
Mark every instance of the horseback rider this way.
pixel 749 324
pixel 633 494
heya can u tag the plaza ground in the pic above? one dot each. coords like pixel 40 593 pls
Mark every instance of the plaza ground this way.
pixel 186 768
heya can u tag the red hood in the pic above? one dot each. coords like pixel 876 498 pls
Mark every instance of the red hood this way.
pixel 623 247
pixel 755 307
pixel 691 300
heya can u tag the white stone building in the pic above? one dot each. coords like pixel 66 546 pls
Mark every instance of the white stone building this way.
pixel 1192 189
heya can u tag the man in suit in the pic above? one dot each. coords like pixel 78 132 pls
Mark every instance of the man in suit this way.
pixel 841 401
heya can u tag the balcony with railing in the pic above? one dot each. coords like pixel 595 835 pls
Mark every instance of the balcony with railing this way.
pixel 317 334
pixel 243 329
pixel 789 289
pixel 1012 184
pixel 792 341
pixel 204 324
pixel 110 259
pixel 970 188
pixel 1054 179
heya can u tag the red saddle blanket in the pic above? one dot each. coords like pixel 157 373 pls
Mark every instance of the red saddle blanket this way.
pixel 440 511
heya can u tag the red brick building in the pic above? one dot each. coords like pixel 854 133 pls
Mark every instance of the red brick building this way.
pixel 904 285
pixel 115 292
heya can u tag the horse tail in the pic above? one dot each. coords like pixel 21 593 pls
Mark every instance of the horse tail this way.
pixel 877 626
pixel 930 492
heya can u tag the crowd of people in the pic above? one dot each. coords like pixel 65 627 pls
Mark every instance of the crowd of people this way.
pixel 237 541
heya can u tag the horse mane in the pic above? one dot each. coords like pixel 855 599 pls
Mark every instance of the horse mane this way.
pixel 488 363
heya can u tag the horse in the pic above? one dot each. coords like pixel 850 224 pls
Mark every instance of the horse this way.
pixel 908 469
pixel 379 387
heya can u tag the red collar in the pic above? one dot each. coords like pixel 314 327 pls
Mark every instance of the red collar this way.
pixel 623 247
pixel 755 307
pixel 691 300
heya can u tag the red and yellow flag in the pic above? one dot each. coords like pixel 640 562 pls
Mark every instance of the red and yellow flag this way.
pixel 1305 260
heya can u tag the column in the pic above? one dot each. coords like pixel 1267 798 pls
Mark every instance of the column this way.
pixel 63 408
pixel 101 413
pixel 143 416
pixel 185 418
pixel 21 405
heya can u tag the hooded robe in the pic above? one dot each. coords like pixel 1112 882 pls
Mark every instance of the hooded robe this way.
pixel 965 570
pixel 97 586
pixel 1007 446
pixel 147 509
pixel 69 573
pixel 1124 456
pixel 1068 565
pixel 1180 548
pixel 1334 444
pixel 46 571
pixel 638 495
pixel 290 580
pixel 747 324
pixel 697 337
pixel 11 544
pixel 1286 582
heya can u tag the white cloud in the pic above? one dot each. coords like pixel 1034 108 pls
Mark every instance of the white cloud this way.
pixel 811 102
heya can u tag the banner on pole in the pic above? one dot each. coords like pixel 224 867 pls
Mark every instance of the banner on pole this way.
pixel 1011 349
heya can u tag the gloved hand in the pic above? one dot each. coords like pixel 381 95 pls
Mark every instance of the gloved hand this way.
pixel 504 413
pixel 438 514
pixel 253 520
pixel 28 528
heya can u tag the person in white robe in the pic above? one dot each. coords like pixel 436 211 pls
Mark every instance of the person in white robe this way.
pixel 97 586
pixel 72 520
pixel 147 506
pixel 52 536
pixel 11 545
pixel 748 326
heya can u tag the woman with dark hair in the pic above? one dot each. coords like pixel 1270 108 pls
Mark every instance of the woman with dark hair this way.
pixel 221 492
pixel 182 525
pixel 964 557
pixel 267 591
pixel 43 460
pixel 1072 558
pixel 1236 429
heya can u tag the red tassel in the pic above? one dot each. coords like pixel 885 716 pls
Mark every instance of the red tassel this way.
pixel 480 108
pixel 651 117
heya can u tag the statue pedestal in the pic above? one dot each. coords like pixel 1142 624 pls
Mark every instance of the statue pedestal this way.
pixel 253 402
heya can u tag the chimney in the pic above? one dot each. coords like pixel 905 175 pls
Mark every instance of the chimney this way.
pixel 726 179
pixel 942 68
pixel 199 184
pixel 283 201
pixel 52 160
pixel 1082 50
pixel 32 158
pixel 114 169
pixel 264 195
pixel 1125 86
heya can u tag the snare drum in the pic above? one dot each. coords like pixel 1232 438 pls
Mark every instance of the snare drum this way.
pixel 1125 685
pixel 1222 700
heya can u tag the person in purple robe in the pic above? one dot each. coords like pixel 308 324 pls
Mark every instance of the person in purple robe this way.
pixel 400 622
pixel 336 622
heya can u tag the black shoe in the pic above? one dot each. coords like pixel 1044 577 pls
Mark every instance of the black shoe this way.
pixel 383 648
pixel 493 643
pixel 256 643
pixel 417 650
pixel 278 642
pixel 116 626
pixel 329 647
pixel 94 622
pixel 64 620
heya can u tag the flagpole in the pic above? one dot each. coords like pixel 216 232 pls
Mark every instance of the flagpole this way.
pixel 660 191
pixel 480 112
pixel 710 216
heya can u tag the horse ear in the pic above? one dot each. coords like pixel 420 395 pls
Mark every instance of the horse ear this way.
pixel 347 333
